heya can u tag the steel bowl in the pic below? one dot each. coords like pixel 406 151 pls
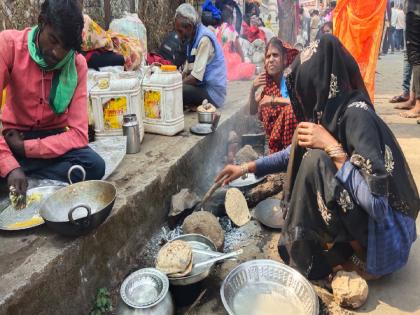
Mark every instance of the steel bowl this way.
pixel 244 285
pixel 146 291
pixel 205 117
pixel 196 241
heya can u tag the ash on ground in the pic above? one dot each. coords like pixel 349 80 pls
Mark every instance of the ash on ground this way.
pixel 150 251
pixel 236 237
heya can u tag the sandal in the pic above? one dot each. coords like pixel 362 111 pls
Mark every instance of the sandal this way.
pixel 400 98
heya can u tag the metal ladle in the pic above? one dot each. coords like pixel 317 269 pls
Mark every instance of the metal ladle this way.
pixel 210 192
pixel 222 257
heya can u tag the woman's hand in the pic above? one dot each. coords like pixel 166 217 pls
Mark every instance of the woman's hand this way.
pixel 259 81
pixel 266 100
pixel 314 136
pixel 231 172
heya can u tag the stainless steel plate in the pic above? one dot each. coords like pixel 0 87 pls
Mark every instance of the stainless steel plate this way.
pixel 196 241
pixel 201 129
pixel 258 282
pixel 29 217
pixel 144 288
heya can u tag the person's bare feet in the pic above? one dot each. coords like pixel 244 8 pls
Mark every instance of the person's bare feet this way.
pixel 405 106
pixel 412 113
pixel 409 104
pixel 350 266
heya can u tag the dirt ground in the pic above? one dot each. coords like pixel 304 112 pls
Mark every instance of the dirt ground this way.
pixel 394 294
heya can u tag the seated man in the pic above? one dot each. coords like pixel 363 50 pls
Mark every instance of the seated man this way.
pixel 205 70
pixel 45 119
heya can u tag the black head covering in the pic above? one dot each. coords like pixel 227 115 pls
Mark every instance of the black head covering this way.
pixel 325 86
pixel 313 80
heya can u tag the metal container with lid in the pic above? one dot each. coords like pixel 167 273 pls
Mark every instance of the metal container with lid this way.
pixel 145 291
pixel 131 130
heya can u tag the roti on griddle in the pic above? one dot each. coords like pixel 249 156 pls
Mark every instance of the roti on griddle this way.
pixel 174 258
pixel 236 207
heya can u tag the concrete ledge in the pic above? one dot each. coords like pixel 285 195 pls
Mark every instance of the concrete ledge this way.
pixel 43 273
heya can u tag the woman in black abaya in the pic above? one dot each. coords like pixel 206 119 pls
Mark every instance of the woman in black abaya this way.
pixel 351 199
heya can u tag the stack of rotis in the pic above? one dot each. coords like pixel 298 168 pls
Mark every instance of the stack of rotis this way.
pixel 175 259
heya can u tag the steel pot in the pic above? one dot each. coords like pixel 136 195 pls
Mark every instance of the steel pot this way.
pixel 205 117
pixel 79 208
pixel 146 292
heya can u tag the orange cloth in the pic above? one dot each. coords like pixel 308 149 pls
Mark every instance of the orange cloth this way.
pixel 2 98
pixel 359 24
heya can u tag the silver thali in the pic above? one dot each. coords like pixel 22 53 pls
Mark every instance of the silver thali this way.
pixel 14 220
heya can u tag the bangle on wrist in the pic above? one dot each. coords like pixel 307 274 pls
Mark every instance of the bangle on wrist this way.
pixel 334 148
pixel 336 151
pixel 245 170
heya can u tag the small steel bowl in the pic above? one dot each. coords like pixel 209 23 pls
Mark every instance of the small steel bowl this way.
pixel 265 276
pixel 205 117
pixel 144 288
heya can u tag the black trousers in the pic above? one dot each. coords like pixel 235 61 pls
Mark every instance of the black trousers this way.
pixel 413 48
pixel 195 95
pixel 57 168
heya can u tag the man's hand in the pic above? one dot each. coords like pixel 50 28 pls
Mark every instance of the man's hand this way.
pixel 14 140
pixel 18 179
pixel 191 80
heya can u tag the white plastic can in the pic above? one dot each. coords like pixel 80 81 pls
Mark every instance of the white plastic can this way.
pixel 162 100
pixel 112 96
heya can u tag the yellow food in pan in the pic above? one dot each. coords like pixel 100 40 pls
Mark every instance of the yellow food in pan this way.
pixel 35 220
pixel 17 203
pixel 32 198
